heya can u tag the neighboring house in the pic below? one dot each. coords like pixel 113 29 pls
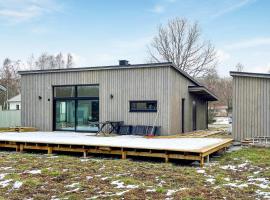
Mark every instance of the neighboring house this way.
pixel 141 94
pixel 14 103
pixel 251 105
pixel 219 110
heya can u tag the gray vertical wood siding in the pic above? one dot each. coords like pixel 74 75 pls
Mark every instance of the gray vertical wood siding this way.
pixel 251 107
pixel 178 90
pixel 124 84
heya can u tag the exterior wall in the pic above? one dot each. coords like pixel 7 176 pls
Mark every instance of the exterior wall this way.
pixel 13 105
pixel 124 84
pixel 178 90
pixel 251 107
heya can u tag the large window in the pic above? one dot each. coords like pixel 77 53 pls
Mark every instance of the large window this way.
pixel 143 106
pixel 76 107
pixel 88 91
pixel 65 91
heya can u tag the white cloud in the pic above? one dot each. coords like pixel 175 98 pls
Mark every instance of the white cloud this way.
pixel 253 42
pixel 22 10
pixel 233 7
pixel 158 9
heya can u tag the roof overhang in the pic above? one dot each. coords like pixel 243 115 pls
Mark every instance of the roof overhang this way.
pixel 202 92
pixel 250 74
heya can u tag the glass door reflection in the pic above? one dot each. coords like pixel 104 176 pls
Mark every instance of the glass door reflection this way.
pixel 87 111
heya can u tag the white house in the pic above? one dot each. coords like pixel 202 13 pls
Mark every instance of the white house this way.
pixel 14 103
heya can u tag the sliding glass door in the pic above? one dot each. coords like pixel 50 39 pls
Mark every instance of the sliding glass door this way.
pixel 87 112
pixel 76 107
pixel 65 115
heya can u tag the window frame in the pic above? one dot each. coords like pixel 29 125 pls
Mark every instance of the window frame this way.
pixel 143 110
pixel 76 92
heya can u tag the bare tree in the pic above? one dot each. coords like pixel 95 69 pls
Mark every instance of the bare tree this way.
pixel 239 67
pixel 46 61
pixel 180 42
pixel 69 61
pixel 60 63
pixel 10 79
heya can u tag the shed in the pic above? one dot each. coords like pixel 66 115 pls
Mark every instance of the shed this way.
pixel 251 105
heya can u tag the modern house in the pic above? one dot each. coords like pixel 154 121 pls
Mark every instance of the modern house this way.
pixel 143 94
pixel 251 105
pixel 14 103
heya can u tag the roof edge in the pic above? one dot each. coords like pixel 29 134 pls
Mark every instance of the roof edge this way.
pixel 75 69
pixel 250 74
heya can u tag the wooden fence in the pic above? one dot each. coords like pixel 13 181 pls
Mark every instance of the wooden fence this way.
pixel 10 118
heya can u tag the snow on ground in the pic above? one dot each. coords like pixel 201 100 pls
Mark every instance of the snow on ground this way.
pixel 17 185
pixel 35 171
pixel 2 176
pixel 120 184
pixel 5 183
pixel 117 141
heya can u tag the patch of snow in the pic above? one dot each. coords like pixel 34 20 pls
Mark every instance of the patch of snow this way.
pixel 74 190
pixel 120 184
pixel 265 195
pixel 121 193
pixel 104 178
pixel 227 179
pixel 228 167
pixel 17 185
pixel 200 171
pixel 6 168
pixel 72 185
pixel 171 192
pixel 236 185
pixel 35 171
pixel 89 177
pixel 211 180
pixel 151 190
pixel 2 176
pixel 84 160
pixel 257 172
pixel 5 183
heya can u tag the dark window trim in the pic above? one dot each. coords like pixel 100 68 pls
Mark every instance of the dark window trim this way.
pixel 142 101
pixel 76 92
pixel 75 99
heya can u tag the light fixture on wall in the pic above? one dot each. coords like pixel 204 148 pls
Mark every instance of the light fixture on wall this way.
pixel 39 97
pixel 111 96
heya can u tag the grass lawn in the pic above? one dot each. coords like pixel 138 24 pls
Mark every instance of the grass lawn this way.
pixel 242 174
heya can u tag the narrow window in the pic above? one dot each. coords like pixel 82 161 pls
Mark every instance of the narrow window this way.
pixel 143 106
pixel 17 107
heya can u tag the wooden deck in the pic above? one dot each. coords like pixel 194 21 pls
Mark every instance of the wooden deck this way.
pixel 125 150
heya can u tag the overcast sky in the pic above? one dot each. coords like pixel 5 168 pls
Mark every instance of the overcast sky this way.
pixel 100 32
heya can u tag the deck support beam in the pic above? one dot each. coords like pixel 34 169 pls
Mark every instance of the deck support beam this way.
pixel 124 154
pixel 21 148
pixel 84 154
pixel 50 149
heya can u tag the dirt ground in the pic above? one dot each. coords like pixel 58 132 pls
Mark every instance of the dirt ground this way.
pixel 240 174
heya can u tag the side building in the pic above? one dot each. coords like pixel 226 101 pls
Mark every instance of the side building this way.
pixel 141 94
pixel 251 105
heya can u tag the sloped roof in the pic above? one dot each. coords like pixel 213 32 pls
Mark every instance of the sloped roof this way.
pixel 15 99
